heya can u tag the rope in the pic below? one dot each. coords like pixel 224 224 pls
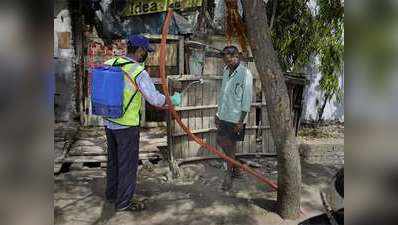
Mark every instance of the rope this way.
pixel 170 108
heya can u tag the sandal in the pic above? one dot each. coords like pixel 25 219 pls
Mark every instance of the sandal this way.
pixel 135 206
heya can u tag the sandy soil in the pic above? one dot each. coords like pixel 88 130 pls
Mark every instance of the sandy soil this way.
pixel 193 199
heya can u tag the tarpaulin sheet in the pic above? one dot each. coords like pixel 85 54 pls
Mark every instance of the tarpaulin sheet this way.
pixel 141 7
pixel 111 23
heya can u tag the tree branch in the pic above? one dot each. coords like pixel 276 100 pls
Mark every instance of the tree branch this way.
pixel 274 5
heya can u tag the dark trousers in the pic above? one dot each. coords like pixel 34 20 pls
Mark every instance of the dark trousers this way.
pixel 121 173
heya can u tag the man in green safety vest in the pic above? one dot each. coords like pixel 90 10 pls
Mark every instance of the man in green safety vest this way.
pixel 123 133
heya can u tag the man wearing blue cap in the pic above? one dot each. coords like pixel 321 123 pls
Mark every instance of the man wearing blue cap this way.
pixel 123 133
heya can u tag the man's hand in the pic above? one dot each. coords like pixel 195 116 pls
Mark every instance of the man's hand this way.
pixel 238 127
pixel 176 99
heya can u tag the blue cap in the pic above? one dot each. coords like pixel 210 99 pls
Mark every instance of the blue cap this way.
pixel 140 41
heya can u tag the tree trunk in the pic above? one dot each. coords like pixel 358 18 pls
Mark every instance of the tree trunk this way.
pixel 278 107
pixel 322 109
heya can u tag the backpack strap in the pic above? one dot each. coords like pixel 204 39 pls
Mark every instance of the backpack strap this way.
pixel 120 64
pixel 115 63
pixel 134 83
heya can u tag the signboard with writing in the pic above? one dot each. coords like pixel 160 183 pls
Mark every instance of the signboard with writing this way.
pixel 141 7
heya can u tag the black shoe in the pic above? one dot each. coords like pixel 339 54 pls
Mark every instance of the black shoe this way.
pixel 135 206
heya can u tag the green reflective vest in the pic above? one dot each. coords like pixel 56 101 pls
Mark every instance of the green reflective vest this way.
pixel 131 116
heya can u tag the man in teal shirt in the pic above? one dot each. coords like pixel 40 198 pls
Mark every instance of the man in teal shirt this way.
pixel 234 104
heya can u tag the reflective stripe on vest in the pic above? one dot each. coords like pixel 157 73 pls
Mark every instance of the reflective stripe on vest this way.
pixel 131 116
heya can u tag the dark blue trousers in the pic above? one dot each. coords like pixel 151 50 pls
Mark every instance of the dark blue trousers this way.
pixel 121 173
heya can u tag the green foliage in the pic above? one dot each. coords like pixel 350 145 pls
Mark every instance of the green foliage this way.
pixel 331 47
pixel 297 35
pixel 292 32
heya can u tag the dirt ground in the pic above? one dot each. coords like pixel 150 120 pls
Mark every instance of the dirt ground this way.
pixel 193 199
pixel 321 131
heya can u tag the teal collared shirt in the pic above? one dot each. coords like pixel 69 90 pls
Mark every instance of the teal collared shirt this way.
pixel 235 94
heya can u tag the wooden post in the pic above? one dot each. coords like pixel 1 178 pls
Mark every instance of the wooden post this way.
pixel 181 55
pixel 175 170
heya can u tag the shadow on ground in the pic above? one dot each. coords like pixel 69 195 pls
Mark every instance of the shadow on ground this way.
pixel 195 199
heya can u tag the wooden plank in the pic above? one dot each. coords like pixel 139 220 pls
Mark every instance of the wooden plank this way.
pixel 205 101
pixel 253 141
pixel 171 55
pixel 191 119
pixel 213 92
pixel 207 138
pixel 197 114
pixel 198 102
pixel 186 146
pixel 191 108
pixel 183 141
pixel 265 143
pixel 213 113
pixel 272 146
pixel 103 158
pixel 239 147
pixel 195 147
pixel 87 151
pixel 213 65
pixel 252 146
pixel 170 130
pixel 150 155
pixel 252 115
pixel 205 130
pixel 190 77
pixel 199 117
pixel 215 87
pixel 181 56
pixel 199 107
pixel 212 157
pixel 83 159
pixel 192 125
pixel 246 143
pixel 64 40
pixel 205 112
pixel 249 147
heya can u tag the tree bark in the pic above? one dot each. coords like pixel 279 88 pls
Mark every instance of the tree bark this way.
pixel 322 109
pixel 278 107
